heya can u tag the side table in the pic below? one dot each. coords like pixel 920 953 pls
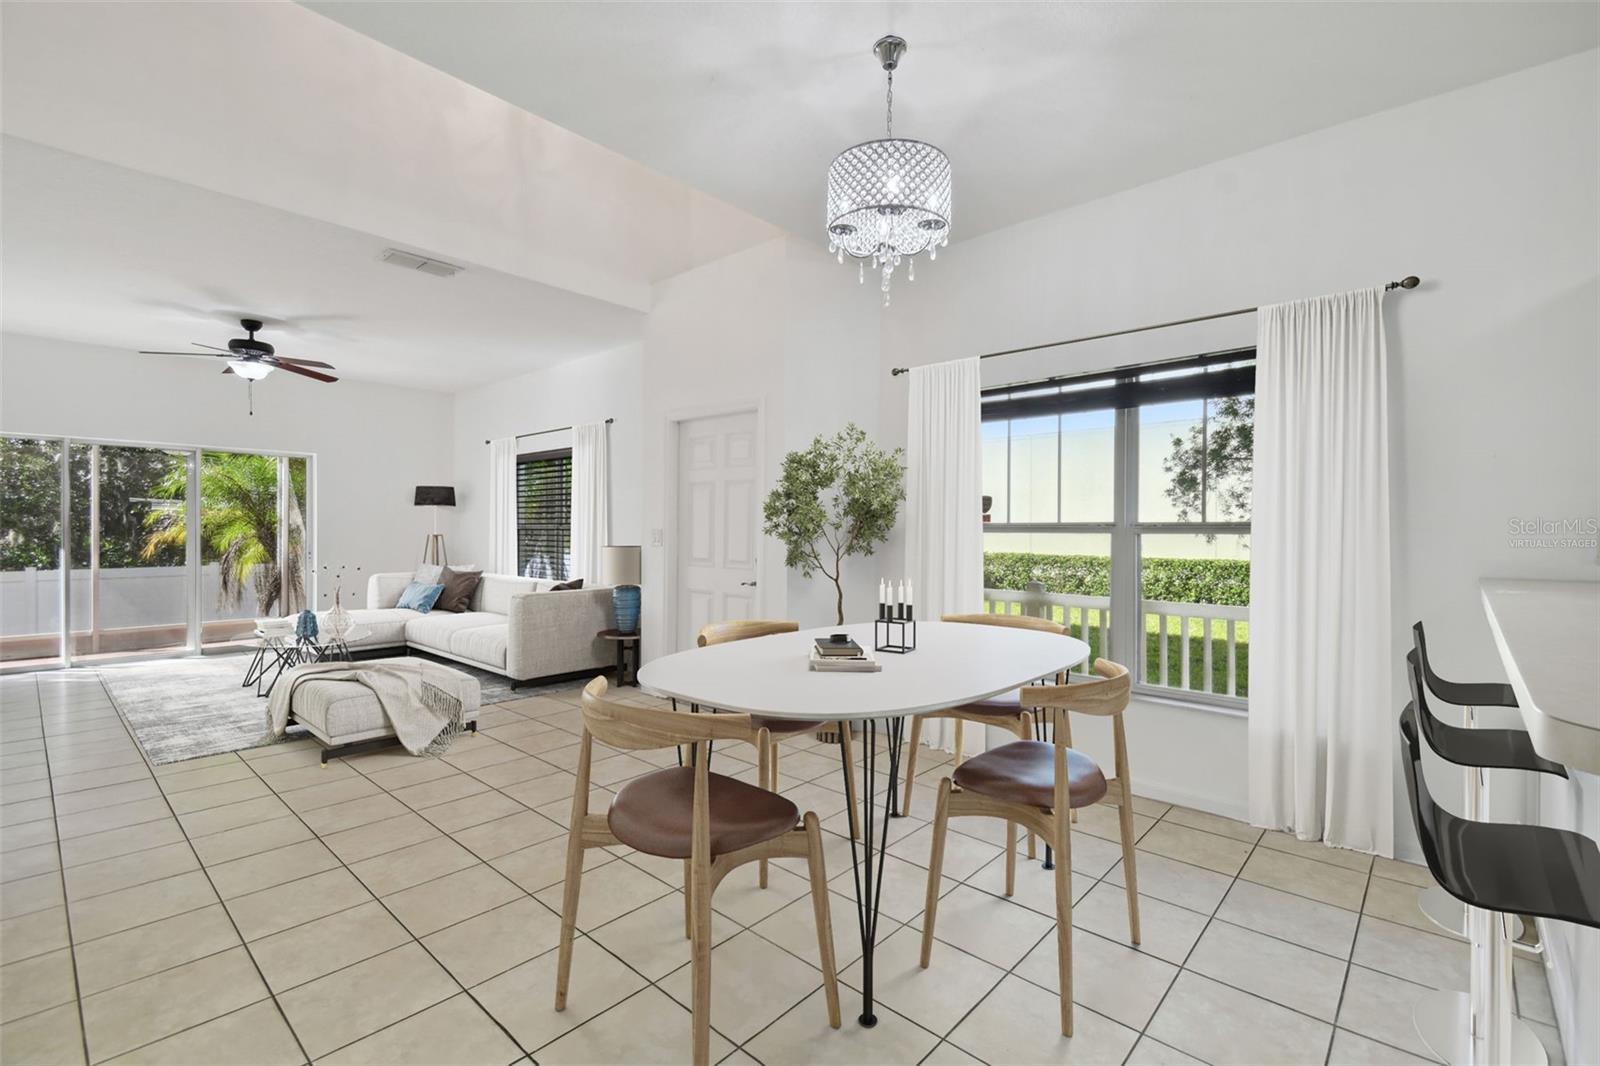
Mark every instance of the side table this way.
pixel 626 643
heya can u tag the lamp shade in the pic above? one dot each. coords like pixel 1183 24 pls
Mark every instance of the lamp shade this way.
pixel 619 564
pixel 435 496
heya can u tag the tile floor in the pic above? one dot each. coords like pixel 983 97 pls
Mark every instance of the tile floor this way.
pixel 254 907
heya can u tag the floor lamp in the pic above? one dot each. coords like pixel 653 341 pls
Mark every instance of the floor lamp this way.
pixel 435 496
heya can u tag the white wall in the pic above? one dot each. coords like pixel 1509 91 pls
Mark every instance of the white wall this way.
pixel 1488 193
pixel 373 443
pixel 591 389
pixel 780 329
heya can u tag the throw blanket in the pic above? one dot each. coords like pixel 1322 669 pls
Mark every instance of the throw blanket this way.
pixel 426 718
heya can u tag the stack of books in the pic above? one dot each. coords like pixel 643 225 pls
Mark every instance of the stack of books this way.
pixel 843 657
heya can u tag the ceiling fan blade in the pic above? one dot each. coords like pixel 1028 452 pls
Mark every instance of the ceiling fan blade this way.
pixel 191 355
pixel 227 370
pixel 302 371
pixel 213 347
pixel 303 362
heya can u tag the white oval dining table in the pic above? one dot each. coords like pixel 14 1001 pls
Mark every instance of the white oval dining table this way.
pixel 953 664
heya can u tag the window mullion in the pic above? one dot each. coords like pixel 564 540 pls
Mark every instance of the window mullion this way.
pixel 1126 646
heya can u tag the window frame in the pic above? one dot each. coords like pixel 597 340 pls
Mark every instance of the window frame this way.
pixel 1127 562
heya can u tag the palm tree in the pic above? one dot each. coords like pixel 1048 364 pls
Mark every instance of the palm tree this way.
pixel 238 525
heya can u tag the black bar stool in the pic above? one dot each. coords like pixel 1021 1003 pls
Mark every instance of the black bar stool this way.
pixel 1495 749
pixel 1476 748
pixel 1500 870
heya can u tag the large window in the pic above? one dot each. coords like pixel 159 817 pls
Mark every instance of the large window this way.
pixel 1120 506
pixel 544 514
pixel 165 548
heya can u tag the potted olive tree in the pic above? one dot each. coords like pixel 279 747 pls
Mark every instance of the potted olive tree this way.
pixel 835 499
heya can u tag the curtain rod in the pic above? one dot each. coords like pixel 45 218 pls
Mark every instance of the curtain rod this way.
pixel 552 429
pixel 1411 281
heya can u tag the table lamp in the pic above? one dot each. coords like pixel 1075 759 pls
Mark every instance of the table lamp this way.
pixel 435 496
pixel 619 568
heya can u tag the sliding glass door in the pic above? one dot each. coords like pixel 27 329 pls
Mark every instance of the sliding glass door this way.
pixel 30 551
pixel 130 575
pixel 138 549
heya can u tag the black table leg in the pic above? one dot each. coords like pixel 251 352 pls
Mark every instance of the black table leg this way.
pixel 867 867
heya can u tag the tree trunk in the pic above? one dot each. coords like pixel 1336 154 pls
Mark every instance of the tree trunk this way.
pixel 838 603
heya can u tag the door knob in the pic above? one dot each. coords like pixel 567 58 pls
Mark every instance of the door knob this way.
pixel 748 584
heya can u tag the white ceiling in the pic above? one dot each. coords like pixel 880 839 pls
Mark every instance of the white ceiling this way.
pixel 272 103
pixel 1039 106
pixel 105 255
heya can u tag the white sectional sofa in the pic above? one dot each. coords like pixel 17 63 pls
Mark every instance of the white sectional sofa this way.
pixel 516 626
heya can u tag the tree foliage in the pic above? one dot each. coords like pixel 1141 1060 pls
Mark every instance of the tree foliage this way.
pixel 1209 469
pixel 238 525
pixel 30 515
pixel 835 499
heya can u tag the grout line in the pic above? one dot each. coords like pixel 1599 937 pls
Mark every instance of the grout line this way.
pixel 738 926
pixel 219 900
pixel 66 909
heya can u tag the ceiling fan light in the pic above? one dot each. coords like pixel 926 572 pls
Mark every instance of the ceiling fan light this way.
pixel 249 369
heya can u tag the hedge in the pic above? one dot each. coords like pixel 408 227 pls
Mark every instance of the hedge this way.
pixel 1219 581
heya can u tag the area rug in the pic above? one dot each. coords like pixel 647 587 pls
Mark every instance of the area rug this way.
pixel 186 708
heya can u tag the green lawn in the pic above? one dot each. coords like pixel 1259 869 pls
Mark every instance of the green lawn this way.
pixel 1091 633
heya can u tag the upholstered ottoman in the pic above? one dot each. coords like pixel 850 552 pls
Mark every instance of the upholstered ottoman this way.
pixel 347 719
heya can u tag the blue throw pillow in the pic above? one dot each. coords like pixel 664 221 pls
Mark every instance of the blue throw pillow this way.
pixel 420 597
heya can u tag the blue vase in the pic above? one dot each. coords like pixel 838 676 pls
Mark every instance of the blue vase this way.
pixel 625 602
pixel 305 626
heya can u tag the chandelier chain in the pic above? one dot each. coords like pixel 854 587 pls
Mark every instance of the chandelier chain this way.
pixel 889 120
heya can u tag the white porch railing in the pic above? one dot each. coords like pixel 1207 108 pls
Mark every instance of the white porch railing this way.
pixel 1213 619
pixel 1089 619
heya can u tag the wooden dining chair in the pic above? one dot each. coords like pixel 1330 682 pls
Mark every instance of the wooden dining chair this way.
pixel 778 730
pixel 1036 784
pixel 1005 711
pixel 712 822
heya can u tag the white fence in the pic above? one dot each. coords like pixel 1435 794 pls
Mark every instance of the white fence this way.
pixel 1089 619
pixel 1211 617
pixel 130 598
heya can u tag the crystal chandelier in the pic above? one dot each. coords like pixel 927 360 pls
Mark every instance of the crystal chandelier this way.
pixel 888 199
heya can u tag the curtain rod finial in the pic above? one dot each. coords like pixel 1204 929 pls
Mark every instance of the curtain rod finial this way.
pixel 897 371
pixel 1410 281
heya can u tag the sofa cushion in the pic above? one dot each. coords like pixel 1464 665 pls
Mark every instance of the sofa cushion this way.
pixel 383 626
pixel 459 585
pixel 482 644
pixel 495 591
pixel 434 630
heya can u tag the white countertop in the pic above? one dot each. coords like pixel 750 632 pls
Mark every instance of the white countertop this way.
pixel 954 663
pixel 1548 633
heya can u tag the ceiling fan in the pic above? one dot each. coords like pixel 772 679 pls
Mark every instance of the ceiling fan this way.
pixel 253 360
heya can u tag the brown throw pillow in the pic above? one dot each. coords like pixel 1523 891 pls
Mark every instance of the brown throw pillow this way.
pixel 459 586
pixel 568 586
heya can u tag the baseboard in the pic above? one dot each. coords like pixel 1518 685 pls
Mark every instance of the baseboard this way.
pixel 1184 797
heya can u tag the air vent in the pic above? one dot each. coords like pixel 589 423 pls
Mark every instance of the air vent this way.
pixel 408 261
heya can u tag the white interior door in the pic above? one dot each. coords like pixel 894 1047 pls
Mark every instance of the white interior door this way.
pixel 718 522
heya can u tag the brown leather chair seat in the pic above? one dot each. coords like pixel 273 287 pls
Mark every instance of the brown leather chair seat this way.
pixel 655 813
pixel 1024 771
pixel 783 727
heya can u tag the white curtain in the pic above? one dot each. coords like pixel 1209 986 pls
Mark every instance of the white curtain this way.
pixel 503 505
pixel 944 506
pixel 591 526
pixel 1322 713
